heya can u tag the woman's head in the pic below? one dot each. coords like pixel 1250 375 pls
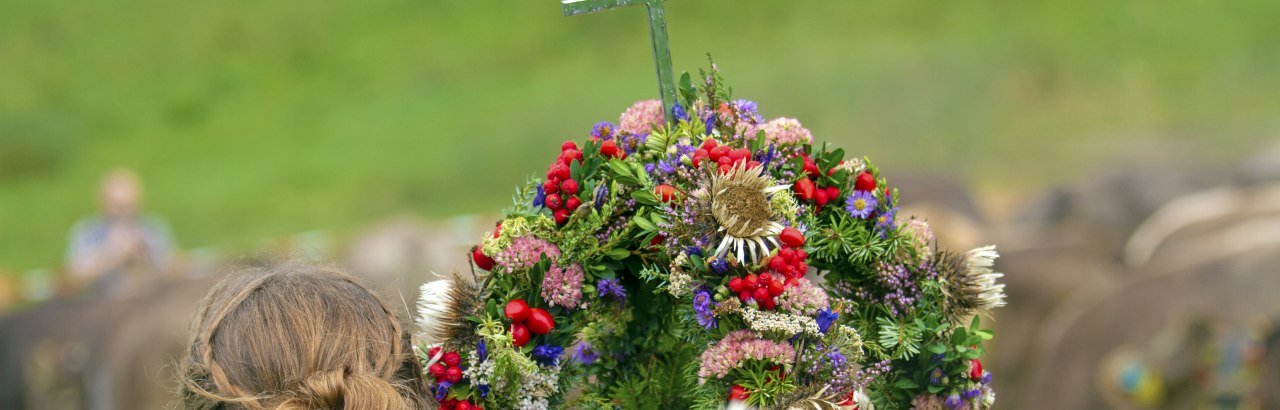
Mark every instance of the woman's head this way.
pixel 297 336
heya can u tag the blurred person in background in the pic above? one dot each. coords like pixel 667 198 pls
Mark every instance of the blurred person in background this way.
pixel 109 251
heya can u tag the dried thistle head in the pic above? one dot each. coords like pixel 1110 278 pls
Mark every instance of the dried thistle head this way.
pixel 739 203
pixel 969 285
pixel 443 308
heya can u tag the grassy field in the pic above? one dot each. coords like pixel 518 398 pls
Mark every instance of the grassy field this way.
pixel 250 119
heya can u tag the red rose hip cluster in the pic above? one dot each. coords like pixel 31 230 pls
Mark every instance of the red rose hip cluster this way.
pixel 526 322
pixel 722 155
pixel 561 189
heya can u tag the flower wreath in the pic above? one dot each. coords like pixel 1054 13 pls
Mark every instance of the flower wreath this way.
pixel 721 259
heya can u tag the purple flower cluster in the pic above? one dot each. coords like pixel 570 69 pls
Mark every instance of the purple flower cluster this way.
pixel 524 252
pixel 702 307
pixel 584 353
pixel 612 288
pixel 900 289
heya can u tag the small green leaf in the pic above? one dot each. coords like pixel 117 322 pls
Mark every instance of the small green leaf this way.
pixel 906 384
pixel 645 197
pixel 618 254
pixel 936 348
pixel 644 224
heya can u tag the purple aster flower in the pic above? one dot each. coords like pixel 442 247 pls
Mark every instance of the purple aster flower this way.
pixel 884 221
pixel 702 305
pixel 935 376
pixel 986 378
pixel 720 266
pixel 604 130
pixel 860 204
pixel 611 287
pixel 953 401
pixel 650 168
pixel 678 111
pixel 970 394
pixel 547 355
pixel 825 319
pixel 482 352
pixel 585 354
pixel 540 197
pixel 442 389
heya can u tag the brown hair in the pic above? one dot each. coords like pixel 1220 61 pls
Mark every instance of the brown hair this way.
pixel 298 336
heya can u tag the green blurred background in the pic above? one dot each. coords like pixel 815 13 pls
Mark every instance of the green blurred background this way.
pixel 252 119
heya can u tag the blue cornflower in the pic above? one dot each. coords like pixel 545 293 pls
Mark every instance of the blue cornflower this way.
pixel 603 130
pixel 679 113
pixel 767 157
pixel 860 204
pixel 746 109
pixel 484 390
pixel 611 287
pixel 693 250
pixel 702 305
pixel 667 166
pixel 720 266
pixel 584 353
pixel 482 352
pixel 601 194
pixel 650 168
pixel 547 355
pixel 825 319
pixel 540 197
pixel 953 401
pixel 711 122
pixel 442 389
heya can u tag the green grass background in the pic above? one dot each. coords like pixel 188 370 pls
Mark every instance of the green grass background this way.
pixel 250 119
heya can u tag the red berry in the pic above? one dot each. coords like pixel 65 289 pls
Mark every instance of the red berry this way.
pixel 453 374
pixel 561 216
pixel 751 281
pixel 739 154
pixel 764 279
pixel 452 359
pixel 791 237
pixel 572 154
pixel 743 295
pixel 568 145
pixel 569 187
pixel 482 261
pixel 736 284
pixel 550 187
pixel 553 201
pixel 777 263
pixel 760 294
pixel 540 322
pixel 562 172
pixel 811 168
pixel 449 403
pixel 820 198
pixel 752 164
pixel 463 405
pixel 709 144
pixel 801 255
pixel 787 254
pixel 725 168
pixel 805 189
pixel 436 370
pixel 609 148
pixel 665 192
pixel 738 393
pixel 719 152
pixel 517 310
pixel 573 203
pixel 699 155
pixel 767 303
pixel 775 288
pixel 520 334
pixel 975 369
pixel 833 193
pixel 865 182
pixel 433 352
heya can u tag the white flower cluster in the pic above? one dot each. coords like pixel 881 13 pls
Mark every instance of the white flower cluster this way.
pixel 478 373
pixel 679 283
pixel 786 324
pixel 537 387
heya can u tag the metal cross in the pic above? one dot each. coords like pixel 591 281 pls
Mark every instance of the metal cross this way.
pixel 658 32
